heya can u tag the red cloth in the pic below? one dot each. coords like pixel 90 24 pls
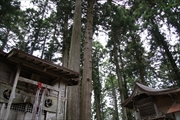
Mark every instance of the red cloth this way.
pixel 39 85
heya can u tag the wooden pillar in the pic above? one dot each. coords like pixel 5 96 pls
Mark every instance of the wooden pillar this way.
pixel 59 115
pixel 12 96
pixel 2 110
pixel 47 115
pixel 155 107
pixel 58 105
pixel 136 112
pixel 58 102
pixel 65 107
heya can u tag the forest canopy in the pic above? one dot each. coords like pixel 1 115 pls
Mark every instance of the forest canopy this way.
pixel 133 40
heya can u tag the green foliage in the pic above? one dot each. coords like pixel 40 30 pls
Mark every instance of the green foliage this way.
pixel 9 9
pixel 144 34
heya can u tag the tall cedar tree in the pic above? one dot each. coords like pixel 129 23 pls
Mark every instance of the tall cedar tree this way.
pixel 73 64
pixel 85 111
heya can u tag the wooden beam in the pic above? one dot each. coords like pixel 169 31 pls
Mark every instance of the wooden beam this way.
pixel 61 73
pixel 30 65
pixel 10 54
pixel 55 81
pixel 36 83
pixel 12 96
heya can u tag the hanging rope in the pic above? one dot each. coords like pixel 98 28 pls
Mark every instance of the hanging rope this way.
pixel 35 105
pixel 41 105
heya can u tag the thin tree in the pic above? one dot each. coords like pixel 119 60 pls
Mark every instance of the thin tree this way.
pixel 114 94
pixel 98 56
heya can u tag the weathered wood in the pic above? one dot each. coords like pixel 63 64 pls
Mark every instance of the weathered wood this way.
pixel 55 81
pixel 58 106
pixel 47 115
pixel 147 111
pixel 143 101
pixel 155 107
pixel 12 96
pixel 57 71
pixel 145 104
pixel 36 83
pixel 48 87
pixel 59 102
pixel 5 72
pixel 2 110
pixel 65 108
pixel 163 103
pixel 60 99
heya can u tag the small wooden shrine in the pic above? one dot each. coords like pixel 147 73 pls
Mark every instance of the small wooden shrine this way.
pixel 154 104
pixel 32 88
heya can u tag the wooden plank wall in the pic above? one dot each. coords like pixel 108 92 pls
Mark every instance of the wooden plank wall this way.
pixel 163 103
pixel 5 72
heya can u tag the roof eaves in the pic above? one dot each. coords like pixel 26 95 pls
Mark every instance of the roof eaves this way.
pixel 139 89
pixel 18 54
pixel 130 99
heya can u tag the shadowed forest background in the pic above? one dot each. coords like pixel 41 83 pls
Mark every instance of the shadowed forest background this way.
pixel 132 40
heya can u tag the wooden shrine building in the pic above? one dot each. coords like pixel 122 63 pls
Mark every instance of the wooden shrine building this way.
pixel 154 104
pixel 32 88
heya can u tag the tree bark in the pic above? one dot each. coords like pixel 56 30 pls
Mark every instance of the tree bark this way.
pixel 118 72
pixel 65 43
pixel 43 45
pixel 120 82
pixel 115 100
pixel 97 89
pixel 128 112
pixel 73 64
pixel 85 111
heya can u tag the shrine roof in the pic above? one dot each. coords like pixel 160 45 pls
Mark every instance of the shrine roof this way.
pixel 40 65
pixel 140 89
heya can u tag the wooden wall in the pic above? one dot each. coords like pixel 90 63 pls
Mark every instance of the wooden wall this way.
pixel 7 76
pixel 163 103
pixel 18 114
pixel 5 72
pixel 153 106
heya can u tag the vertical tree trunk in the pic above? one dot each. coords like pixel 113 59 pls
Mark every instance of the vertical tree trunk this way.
pixel 65 44
pixel 65 55
pixel 118 72
pixel 97 107
pixel 129 113
pixel 85 111
pixel 115 100
pixel 120 82
pixel 97 89
pixel 43 46
pixel 73 64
